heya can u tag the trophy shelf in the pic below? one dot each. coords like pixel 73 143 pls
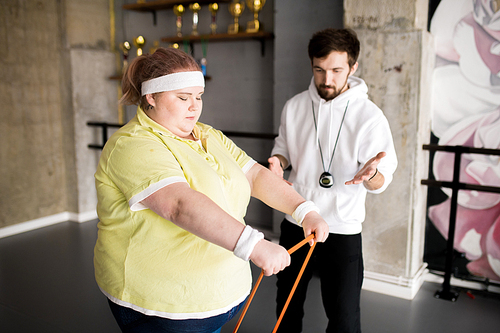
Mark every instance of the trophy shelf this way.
pixel 260 35
pixel 148 6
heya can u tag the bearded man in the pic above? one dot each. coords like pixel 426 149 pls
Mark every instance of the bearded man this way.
pixel 339 147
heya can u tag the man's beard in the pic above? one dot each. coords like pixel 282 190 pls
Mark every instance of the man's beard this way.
pixel 328 96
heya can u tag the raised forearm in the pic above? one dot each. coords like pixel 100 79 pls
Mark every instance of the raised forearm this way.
pixel 196 213
pixel 272 190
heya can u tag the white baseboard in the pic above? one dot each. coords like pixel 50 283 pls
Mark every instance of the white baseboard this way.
pixel 46 221
pixel 395 286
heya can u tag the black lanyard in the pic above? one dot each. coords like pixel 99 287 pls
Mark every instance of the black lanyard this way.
pixel 326 178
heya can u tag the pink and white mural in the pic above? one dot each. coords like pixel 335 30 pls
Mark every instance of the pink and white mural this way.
pixel 466 112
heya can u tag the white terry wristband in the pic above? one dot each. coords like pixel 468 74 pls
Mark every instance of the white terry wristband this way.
pixel 247 241
pixel 300 212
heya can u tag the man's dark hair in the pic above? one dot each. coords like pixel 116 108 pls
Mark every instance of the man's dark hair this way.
pixel 325 41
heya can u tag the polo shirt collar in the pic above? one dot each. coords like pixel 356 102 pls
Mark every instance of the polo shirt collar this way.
pixel 145 121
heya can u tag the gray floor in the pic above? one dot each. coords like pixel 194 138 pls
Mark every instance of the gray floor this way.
pixel 47 285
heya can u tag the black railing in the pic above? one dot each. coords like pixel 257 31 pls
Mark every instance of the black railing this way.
pixel 446 292
pixel 105 133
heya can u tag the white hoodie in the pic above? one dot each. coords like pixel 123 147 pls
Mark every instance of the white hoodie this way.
pixel 365 132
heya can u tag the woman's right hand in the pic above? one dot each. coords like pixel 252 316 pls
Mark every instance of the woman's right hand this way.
pixel 314 224
pixel 271 258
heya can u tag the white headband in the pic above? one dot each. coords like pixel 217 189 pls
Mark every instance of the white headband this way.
pixel 173 82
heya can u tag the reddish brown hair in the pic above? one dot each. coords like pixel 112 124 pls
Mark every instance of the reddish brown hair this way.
pixel 150 66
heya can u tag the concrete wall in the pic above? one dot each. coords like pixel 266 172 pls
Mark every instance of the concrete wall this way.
pixel 33 92
pixel 55 63
pixel 396 62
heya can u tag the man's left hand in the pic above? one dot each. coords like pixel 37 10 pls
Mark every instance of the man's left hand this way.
pixel 367 171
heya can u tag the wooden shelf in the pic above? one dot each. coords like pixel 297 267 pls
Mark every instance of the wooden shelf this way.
pixel 261 35
pixel 149 6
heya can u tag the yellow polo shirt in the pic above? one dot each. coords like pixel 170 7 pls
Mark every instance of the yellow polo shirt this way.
pixel 147 263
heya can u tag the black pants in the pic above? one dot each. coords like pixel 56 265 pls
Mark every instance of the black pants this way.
pixel 339 262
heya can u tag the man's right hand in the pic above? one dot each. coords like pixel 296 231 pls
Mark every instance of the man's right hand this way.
pixel 275 166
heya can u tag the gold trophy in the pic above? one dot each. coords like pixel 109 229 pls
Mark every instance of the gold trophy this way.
pixel 125 47
pixel 179 11
pixel 255 6
pixel 195 8
pixel 139 42
pixel 213 8
pixel 236 8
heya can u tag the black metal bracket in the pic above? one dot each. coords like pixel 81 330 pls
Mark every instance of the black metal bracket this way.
pixel 154 16
pixel 447 294
pixel 104 133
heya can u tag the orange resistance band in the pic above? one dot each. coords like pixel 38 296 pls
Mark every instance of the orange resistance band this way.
pixel 290 251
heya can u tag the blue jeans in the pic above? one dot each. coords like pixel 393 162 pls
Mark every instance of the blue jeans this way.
pixel 131 321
